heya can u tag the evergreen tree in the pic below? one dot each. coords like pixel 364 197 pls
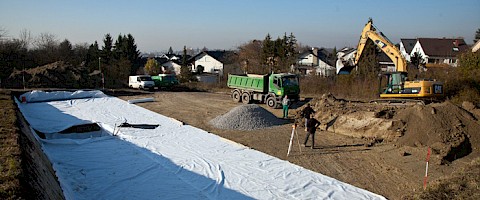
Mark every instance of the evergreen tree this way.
pixel 185 72
pixel 93 55
pixel 65 51
pixel 107 49
pixel 268 51
pixel 170 50
pixel 184 57
pixel 477 36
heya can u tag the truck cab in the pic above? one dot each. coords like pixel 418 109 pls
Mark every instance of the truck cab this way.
pixel 141 82
pixel 284 84
pixel 165 80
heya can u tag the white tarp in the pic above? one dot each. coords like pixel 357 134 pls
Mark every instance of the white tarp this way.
pixel 172 161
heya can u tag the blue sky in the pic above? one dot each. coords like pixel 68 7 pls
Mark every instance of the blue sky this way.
pixel 226 24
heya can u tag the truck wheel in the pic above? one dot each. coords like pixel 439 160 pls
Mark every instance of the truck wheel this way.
pixel 271 102
pixel 236 96
pixel 245 98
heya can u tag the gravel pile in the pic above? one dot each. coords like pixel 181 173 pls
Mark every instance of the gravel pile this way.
pixel 246 117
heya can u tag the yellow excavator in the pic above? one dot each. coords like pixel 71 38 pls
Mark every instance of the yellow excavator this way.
pixel 397 85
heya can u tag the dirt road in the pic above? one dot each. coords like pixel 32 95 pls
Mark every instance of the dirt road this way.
pixel 383 168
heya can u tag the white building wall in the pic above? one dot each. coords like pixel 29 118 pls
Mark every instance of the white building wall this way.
pixel 173 67
pixel 307 60
pixel 404 52
pixel 210 64
pixel 418 48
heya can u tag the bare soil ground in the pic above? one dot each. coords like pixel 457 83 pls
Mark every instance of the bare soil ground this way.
pixel 384 157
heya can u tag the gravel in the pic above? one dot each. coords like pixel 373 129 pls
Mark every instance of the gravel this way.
pixel 246 117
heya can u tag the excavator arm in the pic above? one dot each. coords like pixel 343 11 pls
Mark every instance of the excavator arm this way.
pixel 369 32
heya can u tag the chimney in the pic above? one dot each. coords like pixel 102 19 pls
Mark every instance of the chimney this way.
pixel 315 56
pixel 455 42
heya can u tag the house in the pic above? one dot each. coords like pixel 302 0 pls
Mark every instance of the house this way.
pixel 439 52
pixel 317 61
pixel 345 60
pixel 171 66
pixel 211 61
pixel 406 47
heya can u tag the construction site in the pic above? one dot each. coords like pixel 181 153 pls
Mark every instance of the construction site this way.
pixel 378 147
pixel 162 139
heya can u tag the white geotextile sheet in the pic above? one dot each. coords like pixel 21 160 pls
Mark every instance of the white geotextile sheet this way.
pixel 173 161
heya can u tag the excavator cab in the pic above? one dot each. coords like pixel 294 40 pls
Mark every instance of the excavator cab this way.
pixel 395 82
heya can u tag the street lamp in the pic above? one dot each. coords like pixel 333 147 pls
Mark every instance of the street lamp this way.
pixel 99 64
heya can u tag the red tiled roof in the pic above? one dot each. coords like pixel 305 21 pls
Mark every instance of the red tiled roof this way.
pixel 443 47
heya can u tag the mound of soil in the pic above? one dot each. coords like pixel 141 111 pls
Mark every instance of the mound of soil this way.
pixel 246 117
pixel 451 131
pixel 54 75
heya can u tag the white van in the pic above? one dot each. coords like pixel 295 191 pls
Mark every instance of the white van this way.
pixel 141 82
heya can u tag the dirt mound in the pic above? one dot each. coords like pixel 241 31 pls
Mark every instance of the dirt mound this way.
pixel 54 75
pixel 451 131
pixel 246 117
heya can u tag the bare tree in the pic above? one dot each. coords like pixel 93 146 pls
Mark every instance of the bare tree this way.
pixel 249 55
pixel 46 41
pixel 25 38
pixel 3 33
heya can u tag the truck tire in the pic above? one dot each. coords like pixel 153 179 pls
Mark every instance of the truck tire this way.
pixel 271 102
pixel 236 96
pixel 246 98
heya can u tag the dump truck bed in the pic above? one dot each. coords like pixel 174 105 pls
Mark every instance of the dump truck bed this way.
pixel 258 83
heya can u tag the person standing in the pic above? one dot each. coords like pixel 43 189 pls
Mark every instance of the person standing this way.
pixel 285 104
pixel 312 125
pixel 306 113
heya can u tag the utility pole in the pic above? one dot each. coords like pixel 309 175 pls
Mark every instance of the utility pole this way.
pixel 100 70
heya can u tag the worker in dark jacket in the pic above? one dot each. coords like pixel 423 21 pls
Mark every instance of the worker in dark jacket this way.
pixel 312 125
pixel 306 113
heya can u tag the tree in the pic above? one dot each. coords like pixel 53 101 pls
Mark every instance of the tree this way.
pixel 152 67
pixel 125 47
pixel 170 51
pixel 268 51
pixel 25 38
pixel 107 48
pixel 417 60
pixel 368 65
pixel 65 51
pixel 92 57
pixel 477 36
pixel 184 57
pixel 250 57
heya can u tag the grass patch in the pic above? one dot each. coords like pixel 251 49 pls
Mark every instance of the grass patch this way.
pixel 462 184
pixel 10 153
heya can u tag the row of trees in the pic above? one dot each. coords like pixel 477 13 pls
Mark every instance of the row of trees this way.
pixel 264 56
pixel 116 59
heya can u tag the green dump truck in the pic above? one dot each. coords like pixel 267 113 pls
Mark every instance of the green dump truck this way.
pixel 269 89
pixel 165 80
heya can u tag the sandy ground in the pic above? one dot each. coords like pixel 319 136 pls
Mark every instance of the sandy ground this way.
pixel 384 168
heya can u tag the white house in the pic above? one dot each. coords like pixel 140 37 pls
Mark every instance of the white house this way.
pixel 171 66
pixel 406 47
pixel 211 61
pixel 315 60
pixel 439 52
